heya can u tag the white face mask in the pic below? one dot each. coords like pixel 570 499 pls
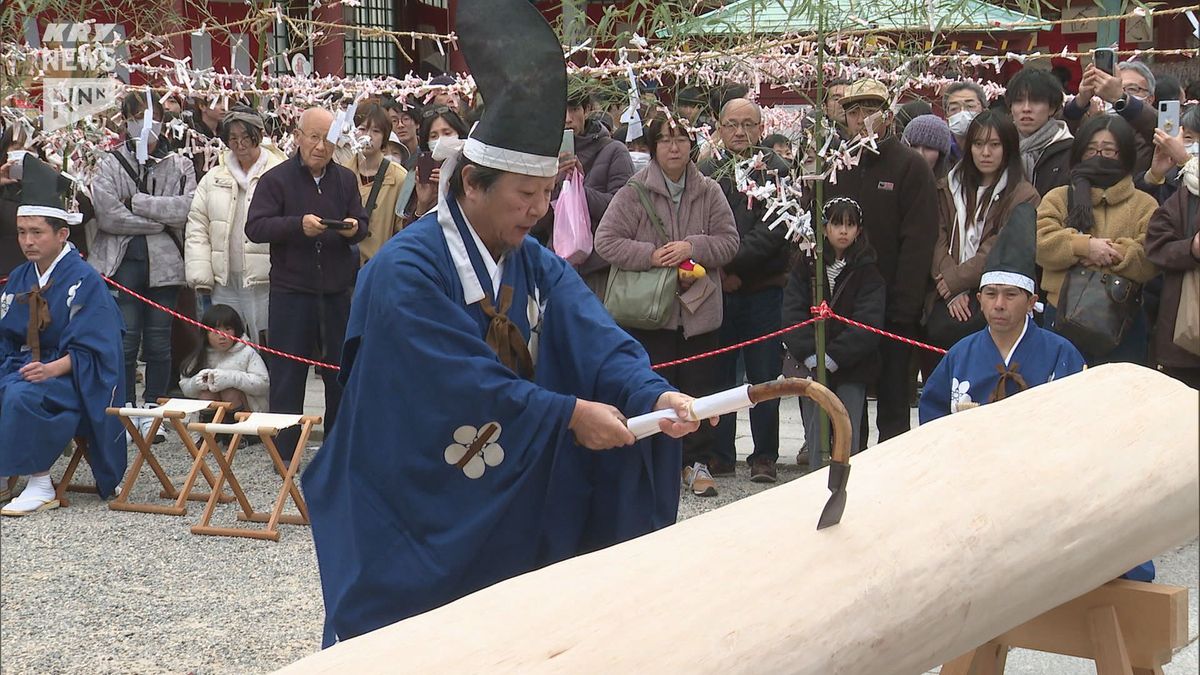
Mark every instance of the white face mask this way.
pixel 960 121
pixel 1193 149
pixel 134 129
pixel 640 160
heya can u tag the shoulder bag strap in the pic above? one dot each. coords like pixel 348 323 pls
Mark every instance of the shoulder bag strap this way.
pixel 376 185
pixel 138 181
pixel 644 196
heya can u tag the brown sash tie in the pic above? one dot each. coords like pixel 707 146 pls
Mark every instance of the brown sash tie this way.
pixel 39 320
pixel 505 338
pixel 1008 375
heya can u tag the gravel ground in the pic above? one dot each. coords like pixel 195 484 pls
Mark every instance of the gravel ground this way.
pixel 90 590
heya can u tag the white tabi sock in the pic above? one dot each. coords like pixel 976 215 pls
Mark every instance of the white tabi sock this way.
pixel 38 491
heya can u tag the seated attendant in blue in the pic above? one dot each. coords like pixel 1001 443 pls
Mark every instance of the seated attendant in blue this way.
pixel 482 375
pixel 1013 353
pixel 60 353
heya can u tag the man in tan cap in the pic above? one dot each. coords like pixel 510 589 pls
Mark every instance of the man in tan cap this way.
pixel 897 192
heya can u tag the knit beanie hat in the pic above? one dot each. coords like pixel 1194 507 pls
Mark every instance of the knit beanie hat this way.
pixel 928 131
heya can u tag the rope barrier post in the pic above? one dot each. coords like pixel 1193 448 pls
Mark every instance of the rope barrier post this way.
pixel 818 236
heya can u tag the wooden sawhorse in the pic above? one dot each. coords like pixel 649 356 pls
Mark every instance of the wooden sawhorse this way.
pixel 1126 627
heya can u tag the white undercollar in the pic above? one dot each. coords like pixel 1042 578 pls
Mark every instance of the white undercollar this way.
pixel 495 268
pixel 1016 344
pixel 472 288
pixel 44 279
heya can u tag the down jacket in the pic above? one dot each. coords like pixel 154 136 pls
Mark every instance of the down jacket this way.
pixel 215 217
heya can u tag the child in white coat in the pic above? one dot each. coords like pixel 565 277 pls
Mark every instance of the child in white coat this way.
pixel 223 369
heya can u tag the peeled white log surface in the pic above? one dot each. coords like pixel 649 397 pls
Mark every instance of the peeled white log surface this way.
pixel 953 533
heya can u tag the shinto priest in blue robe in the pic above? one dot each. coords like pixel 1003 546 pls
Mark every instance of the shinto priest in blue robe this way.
pixel 39 419
pixel 448 472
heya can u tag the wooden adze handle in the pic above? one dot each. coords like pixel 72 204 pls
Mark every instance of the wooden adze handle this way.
pixel 829 402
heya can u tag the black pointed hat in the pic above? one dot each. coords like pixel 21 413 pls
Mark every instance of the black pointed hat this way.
pixel 518 66
pixel 1012 260
pixel 44 190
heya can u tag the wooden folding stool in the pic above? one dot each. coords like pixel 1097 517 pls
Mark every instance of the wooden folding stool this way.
pixel 176 410
pixel 266 426
pixel 65 485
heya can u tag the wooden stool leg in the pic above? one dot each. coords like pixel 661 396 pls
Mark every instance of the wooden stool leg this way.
pixel 988 659
pixel 225 462
pixel 198 465
pixel 146 455
pixel 61 490
pixel 1112 658
pixel 288 487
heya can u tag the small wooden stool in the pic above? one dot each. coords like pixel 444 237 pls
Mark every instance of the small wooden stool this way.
pixel 65 485
pixel 266 426
pixel 1126 627
pixel 176 410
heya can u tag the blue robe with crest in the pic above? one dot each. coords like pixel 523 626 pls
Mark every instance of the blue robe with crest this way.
pixel 973 367
pixel 446 472
pixel 37 420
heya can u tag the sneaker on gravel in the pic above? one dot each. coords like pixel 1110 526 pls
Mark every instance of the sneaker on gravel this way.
pixel 697 479
pixel 762 471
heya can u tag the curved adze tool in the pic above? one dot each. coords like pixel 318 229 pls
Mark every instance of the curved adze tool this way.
pixel 739 398
pixel 839 466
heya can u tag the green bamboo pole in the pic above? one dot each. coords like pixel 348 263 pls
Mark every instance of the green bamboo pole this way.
pixel 262 54
pixel 818 229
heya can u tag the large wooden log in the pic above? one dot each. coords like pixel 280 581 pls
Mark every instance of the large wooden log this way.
pixel 953 533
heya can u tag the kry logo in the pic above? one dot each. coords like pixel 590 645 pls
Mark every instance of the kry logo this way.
pixel 74 86
pixel 74 33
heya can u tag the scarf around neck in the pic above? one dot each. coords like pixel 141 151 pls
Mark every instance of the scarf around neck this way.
pixel 968 228
pixel 1191 176
pixel 1096 172
pixel 1034 144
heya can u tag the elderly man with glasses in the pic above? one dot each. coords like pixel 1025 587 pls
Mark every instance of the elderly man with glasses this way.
pixel 1129 93
pixel 753 283
pixel 309 210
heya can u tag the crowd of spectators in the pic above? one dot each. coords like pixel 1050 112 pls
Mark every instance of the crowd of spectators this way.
pixel 277 240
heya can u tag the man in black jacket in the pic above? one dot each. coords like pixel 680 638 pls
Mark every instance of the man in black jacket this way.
pixel 898 195
pixel 312 264
pixel 753 283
